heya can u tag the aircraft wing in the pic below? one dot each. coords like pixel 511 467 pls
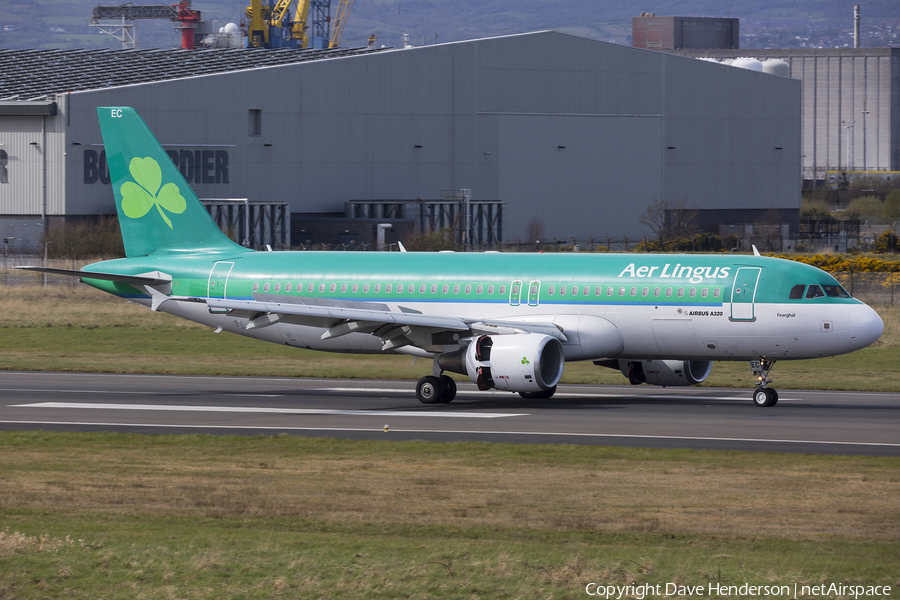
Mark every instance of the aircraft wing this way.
pixel 133 279
pixel 396 328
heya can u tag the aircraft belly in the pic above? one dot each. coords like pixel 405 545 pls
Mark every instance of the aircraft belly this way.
pixel 675 336
pixel 311 337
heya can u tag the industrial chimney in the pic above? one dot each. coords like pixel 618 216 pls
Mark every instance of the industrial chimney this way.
pixel 856 26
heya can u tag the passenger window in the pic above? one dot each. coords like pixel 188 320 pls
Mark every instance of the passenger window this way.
pixel 310 288
pixel 502 290
pixel 586 291
pixel 551 290
pixel 609 291
pixel 815 291
pixel 468 289
pixel 266 287
pixel 622 291
pixel 704 292
pixel 456 289
pixel 633 292
pixel 365 288
pixel 693 292
pixel 377 288
pixel 836 291
pixel 256 287
pixel 646 291
pixel 332 288
pixel 562 290
pixel 656 292
pixel 490 289
pixel 422 289
pixel 574 290
pixel 321 288
pixel 598 290
pixel 277 287
pixel 287 287
pixel 680 292
pixel 387 289
pixel 445 289
pixel 716 292
pixel 797 292
pixel 434 288
pixel 355 288
pixel 668 292
pixel 479 289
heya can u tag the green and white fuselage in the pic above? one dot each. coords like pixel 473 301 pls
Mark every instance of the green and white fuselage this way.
pixel 689 307
pixel 508 321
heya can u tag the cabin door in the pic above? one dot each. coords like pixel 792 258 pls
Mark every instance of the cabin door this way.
pixel 218 278
pixel 743 294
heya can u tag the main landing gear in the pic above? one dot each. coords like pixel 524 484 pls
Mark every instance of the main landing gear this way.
pixel 763 396
pixel 436 390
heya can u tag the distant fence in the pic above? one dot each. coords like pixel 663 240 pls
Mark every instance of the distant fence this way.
pixel 871 288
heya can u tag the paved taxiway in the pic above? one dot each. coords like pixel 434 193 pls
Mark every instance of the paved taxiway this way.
pixel 712 418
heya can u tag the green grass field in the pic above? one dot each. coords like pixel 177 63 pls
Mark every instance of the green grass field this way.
pixel 145 516
pixel 142 516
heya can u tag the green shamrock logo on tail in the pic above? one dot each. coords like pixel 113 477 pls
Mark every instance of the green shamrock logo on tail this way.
pixel 138 198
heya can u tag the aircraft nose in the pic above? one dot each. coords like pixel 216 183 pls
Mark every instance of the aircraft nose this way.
pixel 865 326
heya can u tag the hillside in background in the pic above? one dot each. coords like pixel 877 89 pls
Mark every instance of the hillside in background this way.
pixel 786 24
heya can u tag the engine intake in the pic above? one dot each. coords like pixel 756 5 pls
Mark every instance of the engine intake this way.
pixel 528 362
pixel 665 372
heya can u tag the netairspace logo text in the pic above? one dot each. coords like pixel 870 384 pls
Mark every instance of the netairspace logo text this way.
pixel 644 590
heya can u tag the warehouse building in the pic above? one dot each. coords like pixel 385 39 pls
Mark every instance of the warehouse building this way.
pixel 575 134
pixel 850 107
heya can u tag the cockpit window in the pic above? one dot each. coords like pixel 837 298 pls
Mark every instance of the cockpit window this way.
pixel 836 291
pixel 815 291
pixel 797 292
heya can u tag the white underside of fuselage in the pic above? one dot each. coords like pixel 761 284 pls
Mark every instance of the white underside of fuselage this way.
pixel 775 331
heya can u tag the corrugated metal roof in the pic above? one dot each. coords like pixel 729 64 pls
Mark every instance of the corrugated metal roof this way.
pixel 39 74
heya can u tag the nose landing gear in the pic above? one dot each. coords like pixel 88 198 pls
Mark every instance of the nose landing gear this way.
pixel 763 396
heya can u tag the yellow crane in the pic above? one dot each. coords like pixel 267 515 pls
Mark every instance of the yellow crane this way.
pixel 337 29
pixel 268 22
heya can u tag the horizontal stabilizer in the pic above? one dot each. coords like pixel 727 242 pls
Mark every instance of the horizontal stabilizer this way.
pixel 135 279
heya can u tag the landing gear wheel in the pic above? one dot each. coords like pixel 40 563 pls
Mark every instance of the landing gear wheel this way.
pixel 449 389
pixel 765 397
pixel 430 390
pixel 542 395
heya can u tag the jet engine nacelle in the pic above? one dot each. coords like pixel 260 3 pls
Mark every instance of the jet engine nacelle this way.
pixel 528 362
pixel 665 372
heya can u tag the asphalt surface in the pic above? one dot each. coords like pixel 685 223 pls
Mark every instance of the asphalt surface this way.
pixel 814 422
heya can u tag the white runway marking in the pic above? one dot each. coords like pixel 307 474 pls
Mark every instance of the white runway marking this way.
pixel 263 409
pixel 122 393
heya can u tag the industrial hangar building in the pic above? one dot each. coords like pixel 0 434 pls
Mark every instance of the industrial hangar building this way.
pixel 851 107
pixel 579 134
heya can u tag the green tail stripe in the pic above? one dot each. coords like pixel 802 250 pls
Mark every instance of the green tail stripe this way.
pixel 158 210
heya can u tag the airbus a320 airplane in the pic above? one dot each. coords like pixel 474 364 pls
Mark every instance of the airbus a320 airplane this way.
pixel 508 321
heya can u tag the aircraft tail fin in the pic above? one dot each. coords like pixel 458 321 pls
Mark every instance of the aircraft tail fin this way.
pixel 158 210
